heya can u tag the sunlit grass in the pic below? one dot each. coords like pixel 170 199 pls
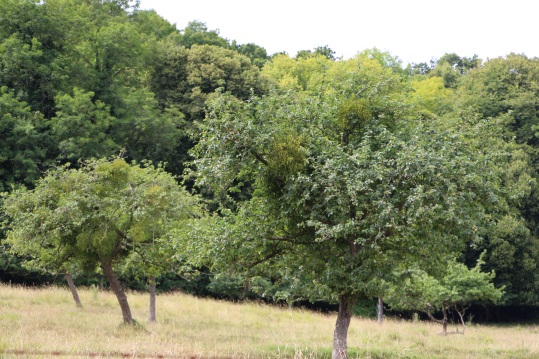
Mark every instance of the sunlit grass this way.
pixel 42 322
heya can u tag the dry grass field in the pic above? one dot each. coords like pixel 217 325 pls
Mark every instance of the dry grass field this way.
pixel 44 323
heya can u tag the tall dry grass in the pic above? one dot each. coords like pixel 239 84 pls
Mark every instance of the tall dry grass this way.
pixel 43 323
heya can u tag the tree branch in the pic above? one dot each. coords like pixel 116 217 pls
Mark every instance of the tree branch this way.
pixel 266 258
pixel 258 156
pixel 441 321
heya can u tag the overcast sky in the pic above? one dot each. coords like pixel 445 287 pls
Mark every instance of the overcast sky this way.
pixel 413 30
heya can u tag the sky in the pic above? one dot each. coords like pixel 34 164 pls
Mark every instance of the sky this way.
pixel 414 30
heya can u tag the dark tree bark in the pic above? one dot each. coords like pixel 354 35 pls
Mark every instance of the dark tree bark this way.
pixel 118 291
pixel 340 335
pixel 380 310
pixel 152 284
pixel 441 321
pixel 73 288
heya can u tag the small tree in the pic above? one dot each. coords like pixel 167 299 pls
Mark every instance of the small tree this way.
pixel 96 215
pixel 455 290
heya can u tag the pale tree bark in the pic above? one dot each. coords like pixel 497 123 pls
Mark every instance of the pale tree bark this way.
pixel 118 291
pixel 152 284
pixel 380 310
pixel 340 335
pixel 72 288
pixel 461 311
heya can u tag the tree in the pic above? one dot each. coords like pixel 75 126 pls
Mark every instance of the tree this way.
pixel 456 289
pixel 345 186
pixel 461 64
pixel 325 51
pixel 197 33
pixel 95 215
pixel 451 67
pixel 257 54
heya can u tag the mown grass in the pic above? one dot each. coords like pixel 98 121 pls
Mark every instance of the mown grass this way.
pixel 43 323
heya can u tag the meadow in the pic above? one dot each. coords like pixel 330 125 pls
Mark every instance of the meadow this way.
pixel 45 323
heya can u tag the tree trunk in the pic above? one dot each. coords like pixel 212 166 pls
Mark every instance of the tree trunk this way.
pixel 461 312
pixel 73 288
pixel 441 321
pixel 152 284
pixel 380 310
pixel 444 321
pixel 340 335
pixel 118 291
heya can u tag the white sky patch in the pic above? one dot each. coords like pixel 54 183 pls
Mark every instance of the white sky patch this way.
pixel 413 30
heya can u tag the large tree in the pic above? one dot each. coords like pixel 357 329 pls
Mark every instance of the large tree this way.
pixel 347 185
pixel 96 215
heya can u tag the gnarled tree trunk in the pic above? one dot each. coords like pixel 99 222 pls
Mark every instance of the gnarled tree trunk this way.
pixel 118 291
pixel 72 288
pixel 441 321
pixel 340 335
pixel 152 284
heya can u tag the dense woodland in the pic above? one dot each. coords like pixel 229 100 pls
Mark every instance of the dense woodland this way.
pixel 133 154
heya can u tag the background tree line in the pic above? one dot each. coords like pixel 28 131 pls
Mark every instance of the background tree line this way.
pixel 443 153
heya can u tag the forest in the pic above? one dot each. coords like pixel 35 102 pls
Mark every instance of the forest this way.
pixel 135 155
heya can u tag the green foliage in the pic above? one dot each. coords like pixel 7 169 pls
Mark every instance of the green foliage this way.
pixel 148 133
pixel 257 54
pixel 342 220
pixel 197 33
pixel 149 22
pixel 301 73
pixel 433 96
pixel 506 89
pixel 81 127
pixel 324 51
pixel 23 148
pixel 98 213
pixel 354 115
pixel 456 288
pixel 461 64
pixel 86 78
pixel 187 78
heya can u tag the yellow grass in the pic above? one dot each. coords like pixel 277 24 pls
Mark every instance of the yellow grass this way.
pixel 43 323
